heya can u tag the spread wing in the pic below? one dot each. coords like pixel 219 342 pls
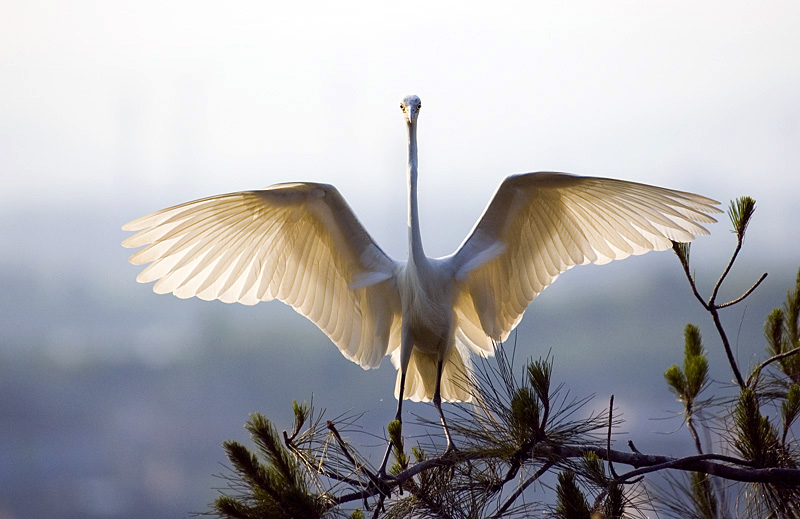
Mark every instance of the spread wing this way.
pixel 299 243
pixel 541 224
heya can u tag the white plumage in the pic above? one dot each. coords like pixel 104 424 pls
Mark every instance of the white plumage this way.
pixel 300 243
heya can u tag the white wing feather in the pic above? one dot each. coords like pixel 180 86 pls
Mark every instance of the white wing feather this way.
pixel 299 243
pixel 540 224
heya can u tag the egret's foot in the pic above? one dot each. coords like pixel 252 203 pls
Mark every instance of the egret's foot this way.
pixel 382 470
pixel 451 447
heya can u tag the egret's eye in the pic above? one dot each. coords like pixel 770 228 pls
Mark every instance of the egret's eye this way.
pixel 402 107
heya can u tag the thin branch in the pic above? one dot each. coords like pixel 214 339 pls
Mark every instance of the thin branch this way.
pixel 521 455
pixel 318 468
pixel 690 426
pixel 711 305
pixel 749 291
pixel 728 350
pixel 775 475
pixel 713 464
pixel 608 438
pixel 685 264
pixel 697 445
pixel 385 484
pixel 753 378
pixel 342 445
pixel 727 467
pixel 521 488
pixel 739 241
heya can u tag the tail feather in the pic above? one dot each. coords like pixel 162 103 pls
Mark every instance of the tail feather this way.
pixel 421 377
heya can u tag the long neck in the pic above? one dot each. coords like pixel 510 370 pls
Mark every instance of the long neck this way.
pixel 415 252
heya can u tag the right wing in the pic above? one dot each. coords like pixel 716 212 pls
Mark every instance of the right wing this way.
pixel 540 224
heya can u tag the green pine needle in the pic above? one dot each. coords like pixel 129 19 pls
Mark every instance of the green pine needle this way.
pixel 688 384
pixel 245 463
pixel 524 419
pixel 695 364
pixel 276 484
pixel 269 442
pixel 792 311
pixel 755 439
pixel 676 381
pixel 703 497
pixel 782 330
pixel 773 331
pixel 614 503
pixel 696 370
pixel 593 468
pixel 682 250
pixel 790 409
pixel 301 412
pixel 571 501
pixel 395 429
pixel 227 506
pixel 539 374
pixel 693 342
pixel 740 212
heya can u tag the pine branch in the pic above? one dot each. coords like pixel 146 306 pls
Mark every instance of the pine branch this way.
pixel 727 467
pixel 526 427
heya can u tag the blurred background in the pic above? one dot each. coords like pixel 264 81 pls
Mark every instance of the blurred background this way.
pixel 114 401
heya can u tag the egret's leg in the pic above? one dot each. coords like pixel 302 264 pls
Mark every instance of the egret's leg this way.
pixel 405 356
pixel 437 401
pixel 399 415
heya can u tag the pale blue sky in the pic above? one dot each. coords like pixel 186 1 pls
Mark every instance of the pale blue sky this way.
pixel 152 103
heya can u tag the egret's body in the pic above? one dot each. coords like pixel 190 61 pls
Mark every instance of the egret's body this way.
pixel 302 244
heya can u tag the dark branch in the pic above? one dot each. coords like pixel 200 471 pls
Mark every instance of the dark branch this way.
pixel 714 464
pixel 608 438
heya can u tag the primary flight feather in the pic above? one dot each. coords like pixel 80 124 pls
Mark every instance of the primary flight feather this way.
pixel 302 244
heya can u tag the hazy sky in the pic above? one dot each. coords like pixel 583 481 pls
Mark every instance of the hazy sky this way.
pixel 110 109
pixel 145 104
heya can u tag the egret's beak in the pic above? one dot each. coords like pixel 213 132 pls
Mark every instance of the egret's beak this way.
pixel 411 114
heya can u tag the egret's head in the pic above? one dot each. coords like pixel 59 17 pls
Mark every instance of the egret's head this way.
pixel 410 107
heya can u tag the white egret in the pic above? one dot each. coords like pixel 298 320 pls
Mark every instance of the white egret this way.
pixel 302 244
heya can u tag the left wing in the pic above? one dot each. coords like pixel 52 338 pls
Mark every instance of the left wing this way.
pixel 299 243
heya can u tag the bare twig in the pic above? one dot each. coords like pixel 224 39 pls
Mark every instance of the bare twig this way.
pixel 713 298
pixel 676 246
pixel 752 380
pixel 747 293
